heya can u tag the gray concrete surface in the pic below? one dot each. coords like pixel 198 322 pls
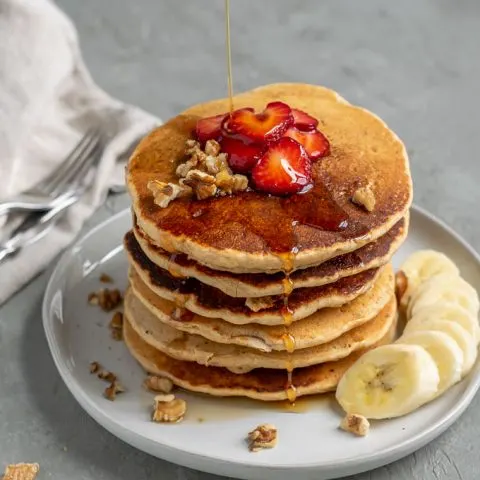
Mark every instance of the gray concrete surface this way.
pixel 415 63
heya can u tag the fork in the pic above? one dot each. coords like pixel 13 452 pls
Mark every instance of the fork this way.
pixel 35 225
pixel 42 196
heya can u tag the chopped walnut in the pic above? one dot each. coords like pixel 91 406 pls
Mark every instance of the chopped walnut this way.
pixel 365 197
pixel 94 367
pixel 164 193
pixel 229 183
pixel 212 148
pixel 264 436
pixel 107 299
pixel 106 375
pixel 356 424
pixel 202 184
pixel 168 409
pixel 21 471
pixel 113 389
pixel 104 278
pixel 158 384
pixel 401 285
pixel 205 173
pixel 259 303
pixel 116 325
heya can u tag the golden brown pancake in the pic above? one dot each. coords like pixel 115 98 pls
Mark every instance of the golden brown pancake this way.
pixel 261 384
pixel 195 348
pixel 252 232
pixel 320 327
pixel 211 302
pixel 372 255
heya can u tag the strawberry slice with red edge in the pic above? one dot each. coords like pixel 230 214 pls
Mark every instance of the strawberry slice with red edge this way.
pixel 266 126
pixel 304 120
pixel 209 128
pixel 315 143
pixel 243 155
pixel 283 169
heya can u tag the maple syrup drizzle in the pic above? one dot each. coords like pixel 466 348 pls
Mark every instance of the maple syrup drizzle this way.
pixel 229 55
pixel 172 269
pixel 288 339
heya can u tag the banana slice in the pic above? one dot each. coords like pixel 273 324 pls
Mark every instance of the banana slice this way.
pixel 441 289
pixel 446 353
pixel 422 265
pixel 451 313
pixel 464 340
pixel 389 381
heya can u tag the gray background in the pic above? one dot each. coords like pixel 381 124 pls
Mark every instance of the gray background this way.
pixel 415 63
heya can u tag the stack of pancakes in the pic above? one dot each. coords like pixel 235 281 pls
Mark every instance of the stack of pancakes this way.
pixel 263 296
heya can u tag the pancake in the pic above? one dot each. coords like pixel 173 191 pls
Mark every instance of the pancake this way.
pixel 251 232
pixel 320 327
pixel 372 255
pixel 260 384
pixel 211 302
pixel 194 348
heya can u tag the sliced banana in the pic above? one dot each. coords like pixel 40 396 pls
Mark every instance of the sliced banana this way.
pixel 424 264
pixel 452 313
pixel 445 351
pixel 444 289
pixel 389 381
pixel 464 340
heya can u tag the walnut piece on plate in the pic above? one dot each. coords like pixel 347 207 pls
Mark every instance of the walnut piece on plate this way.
pixel 107 299
pixel 113 389
pixel 21 471
pixel 356 424
pixel 168 409
pixel 264 436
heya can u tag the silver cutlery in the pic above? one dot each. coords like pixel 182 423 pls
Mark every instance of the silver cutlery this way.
pixel 42 196
pixel 35 225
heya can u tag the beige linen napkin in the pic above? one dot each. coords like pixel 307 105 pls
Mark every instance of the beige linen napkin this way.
pixel 47 101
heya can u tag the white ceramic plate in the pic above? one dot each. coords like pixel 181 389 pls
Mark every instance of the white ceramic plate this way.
pixel 212 436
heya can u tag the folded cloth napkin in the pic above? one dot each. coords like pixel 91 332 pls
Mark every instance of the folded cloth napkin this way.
pixel 47 102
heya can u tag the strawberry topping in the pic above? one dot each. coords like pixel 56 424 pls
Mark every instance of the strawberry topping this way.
pixel 283 169
pixel 209 128
pixel 315 143
pixel 266 126
pixel 242 154
pixel 303 120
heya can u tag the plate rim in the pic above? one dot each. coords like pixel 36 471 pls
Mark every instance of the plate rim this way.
pixel 171 453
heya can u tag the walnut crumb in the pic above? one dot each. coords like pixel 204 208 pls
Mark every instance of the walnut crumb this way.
pixel 104 278
pixel 401 285
pixel 365 197
pixel 229 183
pixel 356 424
pixel 168 409
pixel 158 384
pixel 116 326
pixel 94 367
pixel 107 299
pixel 21 471
pixel 264 436
pixel 106 375
pixel 113 389
pixel 164 193
pixel 259 303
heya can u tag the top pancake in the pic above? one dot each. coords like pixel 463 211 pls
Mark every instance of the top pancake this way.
pixel 248 232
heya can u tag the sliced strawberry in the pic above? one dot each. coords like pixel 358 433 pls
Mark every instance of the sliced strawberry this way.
pixel 209 128
pixel 266 126
pixel 243 155
pixel 315 143
pixel 284 168
pixel 304 119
